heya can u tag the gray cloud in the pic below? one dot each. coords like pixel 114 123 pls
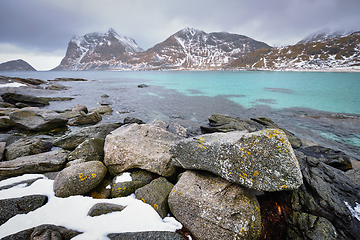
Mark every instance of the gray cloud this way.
pixel 45 25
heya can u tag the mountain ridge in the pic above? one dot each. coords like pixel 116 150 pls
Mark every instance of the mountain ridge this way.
pixel 16 65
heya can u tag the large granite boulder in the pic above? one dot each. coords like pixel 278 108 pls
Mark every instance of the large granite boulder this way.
pixel 223 123
pixel 79 179
pixel 126 183
pixel 144 146
pixel 89 150
pixel 39 163
pixel 13 206
pixel 27 146
pixel 71 140
pixel 327 192
pixel 32 101
pixel 90 118
pixel 156 194
pixel 262 160
pixel 213 208
pixel 44 232
pixel 37 119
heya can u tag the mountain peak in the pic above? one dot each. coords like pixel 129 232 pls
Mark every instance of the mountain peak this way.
pixel 16 65
pixel 325 34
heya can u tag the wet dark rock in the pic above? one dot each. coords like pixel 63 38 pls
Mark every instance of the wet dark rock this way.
pixel 90 150
pixel 6 123
pixel 6 105
pixel 64 79
pixel 36 119
pixel 71 140
pixel 268 123
pixel 156 195
pixel 91 118
pixel 143 85
pixel 14 98
pixel 103 190
pixel 334 158
pixel 178 129
pixel 44 232
pixel 2 150
pixel 151 235
pixel 122 188
pixel 13 206
pixel 104 208
pixel 56 87
pixel 223 123
pixel 128 120
pixel 27 146
pixel 327 192
pixel 39 163
pixel 79 179
pixel 25 183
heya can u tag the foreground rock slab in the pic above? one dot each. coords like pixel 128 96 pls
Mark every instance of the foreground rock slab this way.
pixel 213 208
pixel 39 163
pixel 144 146
pixel 36 119
pixel 14 98
pixel 262 160
pixel 151 235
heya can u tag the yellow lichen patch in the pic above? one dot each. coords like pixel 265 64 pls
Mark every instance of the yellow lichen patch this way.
pixel 230 172
pixel 245 174
pixel 155 206
pixel 82 177
pixel 256 173
pixel 143 199
pixel 119 188
pixel 284 186
pixel 93 175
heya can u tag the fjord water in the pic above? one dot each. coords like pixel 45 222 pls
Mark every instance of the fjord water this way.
pixel 319 106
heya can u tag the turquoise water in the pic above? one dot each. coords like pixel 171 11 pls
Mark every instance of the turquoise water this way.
pixel 325 91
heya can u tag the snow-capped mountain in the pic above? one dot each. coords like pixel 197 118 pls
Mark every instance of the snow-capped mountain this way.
pixel 16 65
pixel 194 49
pixel 187 49
pixel 325 34
pixel 338 53
pixel 97 50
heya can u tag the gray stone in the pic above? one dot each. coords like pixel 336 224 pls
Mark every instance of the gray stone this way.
pixel 213 208
pixel 70 114
pixel 2 150
pixel 102 109
pixel 156 194
pixel 307 226
pixel 74 162
pixel 7 111
pixel 121 188
pixel 37 119
pixel 262 160
pixel 32 101
pixel 177 129
pixel 6 105
pixel 26 147
pixel 90 118
pixel 13 206
pixel 104 208
pixel 80 108
pixel 44 232
pixel 73 139
pixel 151 235
pixel 144 146
pixel 128 120
pixel 89 150
pixel 56 87
pixel 268 123
pixel 327 192
pixel 79 179
pixel 39 163
pixel 6 123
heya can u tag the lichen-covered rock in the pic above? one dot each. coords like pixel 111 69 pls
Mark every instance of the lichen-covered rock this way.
pixel 126 183
pixel 156 194
pixel 262 160
pixel 73 139
pixel 90 118
pixel 104 208
pixel 36 119
pixel 79 179
pixel 144 146
pixel 39 163
pixel 90 150
pixel 26 147
pixel 13 206
pixel 32 101
pixel 212 208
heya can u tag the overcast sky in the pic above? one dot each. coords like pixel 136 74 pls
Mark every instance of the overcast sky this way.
pixel 38 31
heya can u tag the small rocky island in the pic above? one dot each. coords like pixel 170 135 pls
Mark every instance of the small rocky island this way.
pixel 239 179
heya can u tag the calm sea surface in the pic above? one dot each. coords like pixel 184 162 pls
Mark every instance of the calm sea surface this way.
pixel 318 106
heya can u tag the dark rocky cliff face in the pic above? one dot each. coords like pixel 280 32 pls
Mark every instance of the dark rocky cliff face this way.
pixel 16 65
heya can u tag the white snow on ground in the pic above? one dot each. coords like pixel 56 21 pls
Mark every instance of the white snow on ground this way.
pixel 72 212
pixel 124 177
pixel 13 84
pixel 355 212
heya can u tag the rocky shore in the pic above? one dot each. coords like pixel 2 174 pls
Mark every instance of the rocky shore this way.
pixel 238 179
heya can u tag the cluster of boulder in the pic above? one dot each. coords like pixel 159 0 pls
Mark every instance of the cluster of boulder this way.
pixel 240 179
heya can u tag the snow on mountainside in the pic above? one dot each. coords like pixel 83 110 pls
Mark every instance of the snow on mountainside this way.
pixel 96 49
pixel 187 49
pixel 339 53
pixel 325 34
